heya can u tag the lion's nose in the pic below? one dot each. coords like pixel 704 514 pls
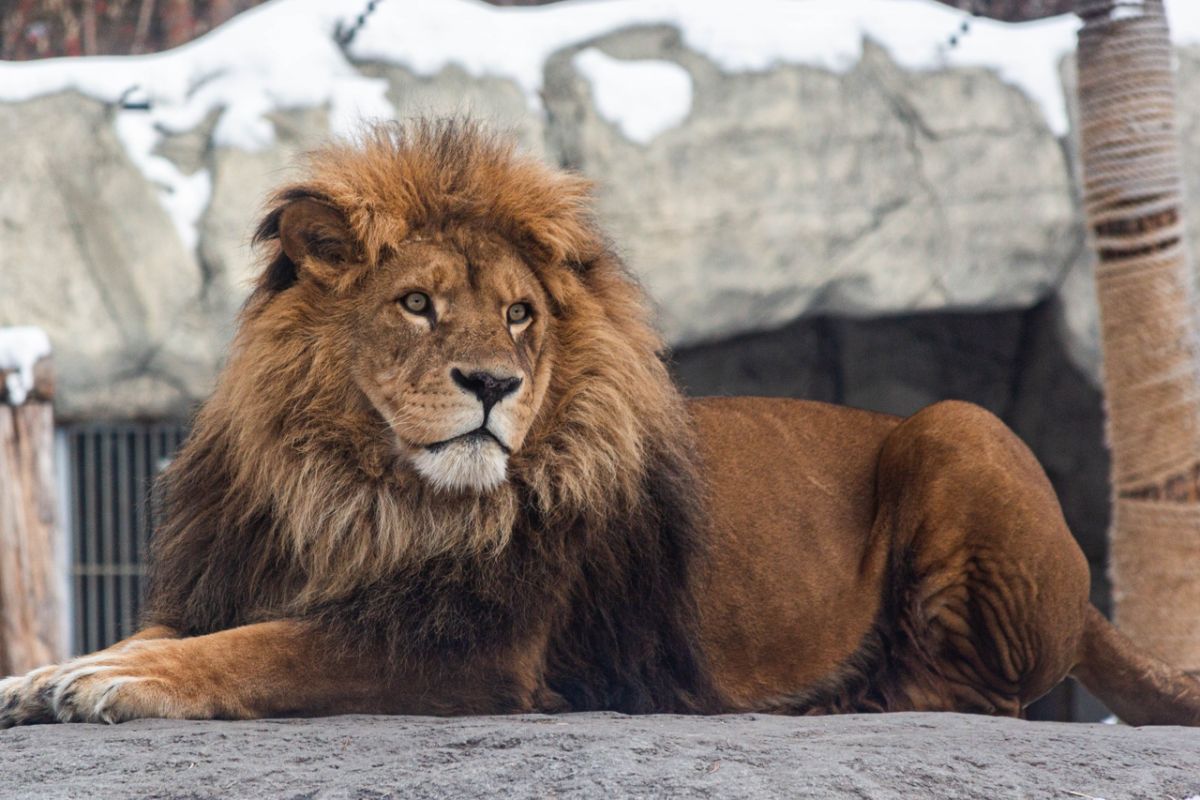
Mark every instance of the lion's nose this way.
pixel 489 388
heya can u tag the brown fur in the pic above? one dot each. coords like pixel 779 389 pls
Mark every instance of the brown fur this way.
pixel 638 554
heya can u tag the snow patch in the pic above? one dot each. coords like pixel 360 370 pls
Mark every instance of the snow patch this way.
pixel 183 196
pixel 20 349
pixel 642 98
pixel 750 35
pixel 1128 9
pixel 1184 18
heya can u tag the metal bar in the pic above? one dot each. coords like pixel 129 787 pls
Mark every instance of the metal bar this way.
pixel 62 469
pixel 77 524
pixel 142 472
pixel 111 469
pixel 108 536
pixel 91 533
pixel 125 504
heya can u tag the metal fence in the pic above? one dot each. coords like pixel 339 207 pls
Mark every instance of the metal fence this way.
pixel 108 475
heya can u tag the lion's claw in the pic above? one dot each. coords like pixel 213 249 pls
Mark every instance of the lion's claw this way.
pixel 22 698
pixel 90 694
pixel 86 689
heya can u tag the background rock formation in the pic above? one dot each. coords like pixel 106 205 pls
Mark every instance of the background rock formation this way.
pixel 786 194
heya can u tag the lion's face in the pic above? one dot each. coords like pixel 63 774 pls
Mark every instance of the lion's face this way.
pixel 449 345
pixel 437 311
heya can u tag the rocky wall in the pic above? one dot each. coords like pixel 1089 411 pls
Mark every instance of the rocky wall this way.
pixel 785 194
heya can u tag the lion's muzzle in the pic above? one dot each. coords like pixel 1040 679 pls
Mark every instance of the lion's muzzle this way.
pixel 476 459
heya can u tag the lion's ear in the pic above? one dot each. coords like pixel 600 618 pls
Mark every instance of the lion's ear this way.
pixel 309 228
pixel 313 236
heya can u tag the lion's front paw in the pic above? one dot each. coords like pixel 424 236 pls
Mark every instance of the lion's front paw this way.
pixel 24 700
pixel 106 690
pixel 126 682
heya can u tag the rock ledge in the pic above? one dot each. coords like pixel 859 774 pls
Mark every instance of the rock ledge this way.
pixel 602 755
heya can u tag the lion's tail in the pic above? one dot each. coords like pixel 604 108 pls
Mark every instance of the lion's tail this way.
pixel 1138 688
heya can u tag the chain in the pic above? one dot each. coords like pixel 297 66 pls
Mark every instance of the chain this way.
pixel 343 35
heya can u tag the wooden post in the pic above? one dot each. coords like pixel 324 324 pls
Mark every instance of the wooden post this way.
pixel 32 587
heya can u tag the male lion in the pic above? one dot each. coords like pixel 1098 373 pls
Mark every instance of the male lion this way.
pixel 445 472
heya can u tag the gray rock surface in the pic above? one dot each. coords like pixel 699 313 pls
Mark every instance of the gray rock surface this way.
pixel 601 755
pixel 89 254
pixel 798 191
pixel 241 183
pixel 454 93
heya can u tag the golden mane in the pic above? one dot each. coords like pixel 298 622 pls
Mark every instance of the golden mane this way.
pixel 286 497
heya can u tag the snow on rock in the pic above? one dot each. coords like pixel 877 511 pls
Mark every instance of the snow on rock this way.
pixel 183 196
pixel 1127 9
pixel 283 55
pixel 752 35
pixel 20 349
pixel 1184 19
pixel 279 55
pixel 643 98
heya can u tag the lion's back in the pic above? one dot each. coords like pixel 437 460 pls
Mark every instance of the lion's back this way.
pixel 790 452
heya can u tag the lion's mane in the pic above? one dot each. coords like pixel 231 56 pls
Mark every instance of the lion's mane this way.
pixel 286 501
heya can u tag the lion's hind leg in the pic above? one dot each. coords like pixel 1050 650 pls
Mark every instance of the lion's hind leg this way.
pixel 988 591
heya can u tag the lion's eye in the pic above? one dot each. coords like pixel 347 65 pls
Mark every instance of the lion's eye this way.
pixel 416 302
pixel 518 313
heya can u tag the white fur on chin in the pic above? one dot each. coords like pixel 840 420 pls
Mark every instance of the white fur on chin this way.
pixel 477 464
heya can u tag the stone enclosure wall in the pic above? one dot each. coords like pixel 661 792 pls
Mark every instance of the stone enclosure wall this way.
pixel 876 237
pixel 786 194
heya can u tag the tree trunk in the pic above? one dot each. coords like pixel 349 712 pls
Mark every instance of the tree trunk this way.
pixel 179 22
pixel 89 28
pixel 141 31
pixel 1133 201
pixel 32 578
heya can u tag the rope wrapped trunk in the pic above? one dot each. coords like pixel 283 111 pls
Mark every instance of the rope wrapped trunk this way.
pixel 1133 202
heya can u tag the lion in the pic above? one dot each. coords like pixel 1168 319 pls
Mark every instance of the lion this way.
pixel 446 471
